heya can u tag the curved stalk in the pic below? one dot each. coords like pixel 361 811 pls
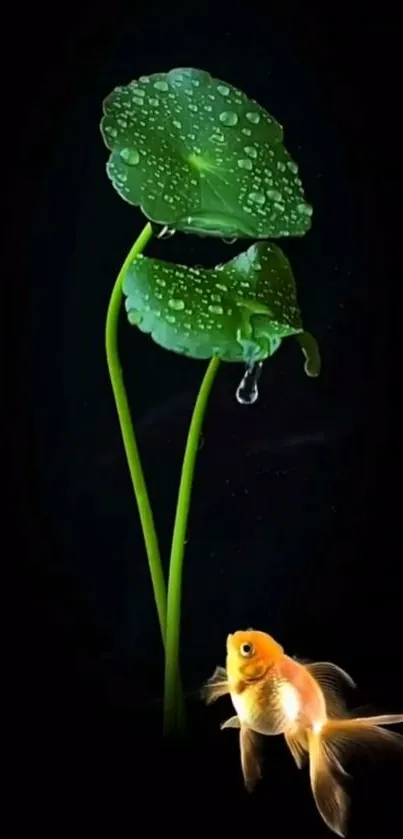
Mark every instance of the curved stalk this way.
pixel 127 431
pixel 171 697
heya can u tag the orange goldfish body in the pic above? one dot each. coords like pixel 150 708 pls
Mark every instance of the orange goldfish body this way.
pixel 275 694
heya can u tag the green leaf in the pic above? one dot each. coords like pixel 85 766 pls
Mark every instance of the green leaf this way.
pixel 196 155
pixel 239 311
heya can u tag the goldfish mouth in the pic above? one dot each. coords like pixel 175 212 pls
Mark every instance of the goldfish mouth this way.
pixel 256 678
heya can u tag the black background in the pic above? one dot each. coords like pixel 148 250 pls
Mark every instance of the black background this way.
pixel 294 526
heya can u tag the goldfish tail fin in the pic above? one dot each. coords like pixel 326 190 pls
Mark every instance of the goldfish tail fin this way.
pixel 344 736
pixel 326 776
pixel 327 748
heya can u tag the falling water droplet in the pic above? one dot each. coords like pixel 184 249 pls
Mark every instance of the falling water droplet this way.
pixel 247 392
pixel 166 233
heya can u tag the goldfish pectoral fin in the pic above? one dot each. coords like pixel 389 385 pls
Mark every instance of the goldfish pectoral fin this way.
pixel 216 686
pixel 233 722
pixel 250 757
pixel 297 743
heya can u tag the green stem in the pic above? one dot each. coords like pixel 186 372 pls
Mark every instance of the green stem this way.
pixel 171 688
pixel 127 431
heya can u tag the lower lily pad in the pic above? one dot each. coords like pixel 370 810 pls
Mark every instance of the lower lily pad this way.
pixel 239 311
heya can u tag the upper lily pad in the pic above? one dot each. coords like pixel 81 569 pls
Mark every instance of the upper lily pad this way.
pixel 198 156
pixel 239 311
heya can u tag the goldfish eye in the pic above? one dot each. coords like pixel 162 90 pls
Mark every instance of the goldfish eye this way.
pixel 246 649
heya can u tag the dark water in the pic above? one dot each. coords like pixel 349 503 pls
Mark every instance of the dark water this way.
pixel 243 504
pixel 281 503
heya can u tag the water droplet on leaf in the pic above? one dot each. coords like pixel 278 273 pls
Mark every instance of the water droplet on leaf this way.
pixel 111 131
pixel 161 85
pixel 257 197
pixel 274 194
pixel 228 118
pixel 304 209
pixel 253 117
pixel 245 164
pixel 176 304
pixel 130 156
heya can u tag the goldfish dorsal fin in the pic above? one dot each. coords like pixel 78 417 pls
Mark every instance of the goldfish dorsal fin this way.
pixel 331 680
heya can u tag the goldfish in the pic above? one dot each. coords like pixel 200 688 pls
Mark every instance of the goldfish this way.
pixel 273 693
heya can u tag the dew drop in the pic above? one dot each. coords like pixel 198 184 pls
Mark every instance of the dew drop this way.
pixel 134 317
pixel 274 194
pixel 251 151
pixel 245 164
pixel 247 391
pixel 216 310
pixel 292 166
pixel 253 117
pixel 304 209
pixel 257 197
pixel 177 305
pixel 223 89
pixel 217 137
pixel 246 131
pixel 161 85
pixel 228 118
pixel 130 156
pixel 110 131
